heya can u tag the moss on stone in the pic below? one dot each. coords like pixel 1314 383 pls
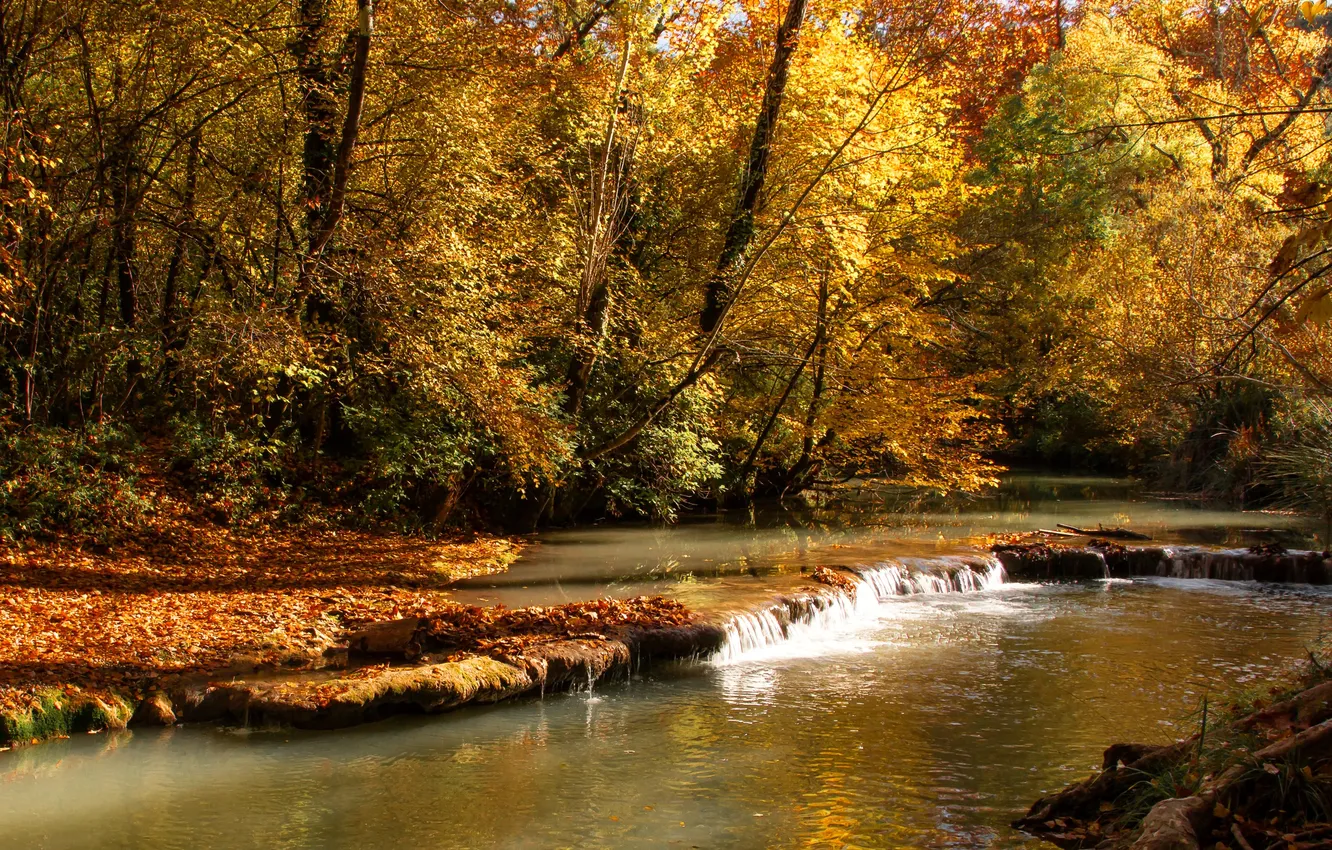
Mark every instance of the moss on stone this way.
pixel 58 714
pixel 439 685
pixel 329 703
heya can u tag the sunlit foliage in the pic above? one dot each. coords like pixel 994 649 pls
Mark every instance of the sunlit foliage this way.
pixel 464 261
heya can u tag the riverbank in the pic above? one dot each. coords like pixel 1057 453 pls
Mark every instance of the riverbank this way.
pixel 318 633
pixel 1256 774
pixel 455 656
pixel 84 634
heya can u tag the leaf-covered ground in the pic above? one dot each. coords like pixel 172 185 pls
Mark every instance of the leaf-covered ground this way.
pixel 203 597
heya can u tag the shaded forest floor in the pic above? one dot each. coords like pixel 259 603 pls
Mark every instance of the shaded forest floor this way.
pixel 199 598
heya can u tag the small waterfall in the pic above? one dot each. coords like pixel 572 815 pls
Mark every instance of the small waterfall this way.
pixel 1105 565
pixel 797 617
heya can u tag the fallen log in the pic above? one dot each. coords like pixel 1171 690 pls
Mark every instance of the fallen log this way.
pixel 1181 823
pixel 1302 711
pixel 1102 531
pixel 1089 812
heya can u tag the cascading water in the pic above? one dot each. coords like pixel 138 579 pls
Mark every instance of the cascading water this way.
pixel 1105 565
pixel 800 617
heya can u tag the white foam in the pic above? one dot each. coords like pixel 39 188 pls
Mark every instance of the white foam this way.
pixel 822 622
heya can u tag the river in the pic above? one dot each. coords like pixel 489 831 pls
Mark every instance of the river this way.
pixel 921 720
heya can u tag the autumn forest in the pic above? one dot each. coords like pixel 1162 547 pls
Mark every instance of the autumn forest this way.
pixel 511 264
pixel 754 423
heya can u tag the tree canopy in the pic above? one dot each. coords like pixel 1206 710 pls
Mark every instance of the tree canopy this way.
pixel 523 262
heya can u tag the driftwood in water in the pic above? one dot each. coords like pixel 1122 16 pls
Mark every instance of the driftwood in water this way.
pixel 1185 822
pixel 1052 817
pixel 1101 531
pixel 1306 709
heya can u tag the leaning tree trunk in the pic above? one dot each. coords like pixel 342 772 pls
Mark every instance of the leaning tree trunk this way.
pixel 733 269
pixel 817 345
pixel 740 231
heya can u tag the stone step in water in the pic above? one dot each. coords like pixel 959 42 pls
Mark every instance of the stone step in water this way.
pixel 1043 562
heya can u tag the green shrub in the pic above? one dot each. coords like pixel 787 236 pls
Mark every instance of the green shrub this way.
pixel 237 478
pixel 1218 455
pixel 671 462
pixel 408 453
pixel 60 480
pixel 1298 463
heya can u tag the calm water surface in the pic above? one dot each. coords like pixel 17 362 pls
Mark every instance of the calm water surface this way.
pixel 626 560
pixel 930 722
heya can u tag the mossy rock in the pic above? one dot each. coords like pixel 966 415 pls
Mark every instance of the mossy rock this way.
pixel 337 702
pixel 59 714
pixel 328 699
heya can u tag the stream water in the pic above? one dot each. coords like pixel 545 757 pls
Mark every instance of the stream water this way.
pixel 912 719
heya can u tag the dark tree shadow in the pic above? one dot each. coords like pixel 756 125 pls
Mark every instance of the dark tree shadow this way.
pixel 312 560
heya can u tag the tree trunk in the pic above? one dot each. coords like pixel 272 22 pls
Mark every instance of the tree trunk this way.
pixel 803 472
pixel 599 230
pixel 326 167
pixel 740 231
pixel 768 424
pixel 709 352
pixel 178 250
pixel 583 27
pixel 815 345
pixel 123 245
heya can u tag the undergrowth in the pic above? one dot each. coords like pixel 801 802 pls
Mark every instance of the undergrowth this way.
pixel 54 479
pixel 1289 792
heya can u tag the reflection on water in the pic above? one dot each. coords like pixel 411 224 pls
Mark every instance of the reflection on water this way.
pixel 749 548
pixel 929 724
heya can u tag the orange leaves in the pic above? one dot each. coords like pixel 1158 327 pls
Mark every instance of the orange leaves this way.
pixel 501 630
pixel 71 618
pixel 834 578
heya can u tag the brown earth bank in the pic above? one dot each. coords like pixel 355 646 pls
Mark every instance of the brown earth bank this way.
pixel 1257 775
